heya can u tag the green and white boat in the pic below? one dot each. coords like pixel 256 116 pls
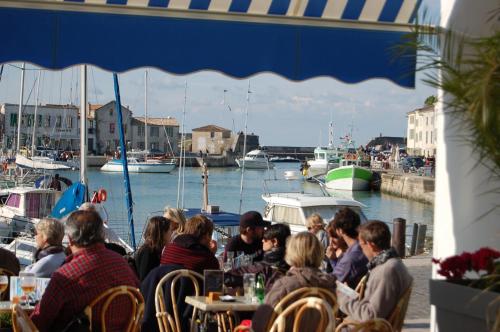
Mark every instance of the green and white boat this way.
pixel 350 175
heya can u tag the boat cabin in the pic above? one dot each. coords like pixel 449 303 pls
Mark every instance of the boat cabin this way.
pixel 295 208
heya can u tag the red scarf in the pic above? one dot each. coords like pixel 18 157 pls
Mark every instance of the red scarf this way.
pixel 196 259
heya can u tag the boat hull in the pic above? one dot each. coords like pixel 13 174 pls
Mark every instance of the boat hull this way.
pixel 139 167
pixel 254 164
pixel 41 163
pixel 351 177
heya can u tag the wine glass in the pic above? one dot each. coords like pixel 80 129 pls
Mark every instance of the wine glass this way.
pixel 27 280
pixel 4 283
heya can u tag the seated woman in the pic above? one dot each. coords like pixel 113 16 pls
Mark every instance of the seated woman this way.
pixel 50 253
pixel 304 254
pixel 176 216
pixel 156 236
pixel 272 266
pixel 336 248
pixel 316 225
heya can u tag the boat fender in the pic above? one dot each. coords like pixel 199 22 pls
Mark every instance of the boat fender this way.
pixel 5 166
pixel 102 195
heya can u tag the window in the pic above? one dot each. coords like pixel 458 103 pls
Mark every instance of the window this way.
pixel 47 121
pixel 58 121
pixel 40 119
pixel 420 136
pixel 416 122
pixel 212 134
pixel 432 120
pixel 426 120
pixel 69 122
pixel 412 119
pixel 169 131
pixel 110 112
pixel 426 137
pixel 141 130
pixel 431 138
pixel 412 134
pixel 289 215
pixel 154 132
pixel 111 128
pixel 13 120
pixel 91 124
pixel 13 200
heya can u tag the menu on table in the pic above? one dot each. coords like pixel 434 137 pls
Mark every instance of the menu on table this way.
pixel 213 281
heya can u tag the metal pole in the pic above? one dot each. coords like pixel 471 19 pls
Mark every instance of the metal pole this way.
pixel 146 147
pixel 398 236
pixel 34 116
pixel 83 127
pixel 19 114
pixel 413 246
pixel 244 146
pixel 128 191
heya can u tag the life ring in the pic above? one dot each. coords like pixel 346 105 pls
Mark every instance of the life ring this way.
pixel 102 195
pixel 5 165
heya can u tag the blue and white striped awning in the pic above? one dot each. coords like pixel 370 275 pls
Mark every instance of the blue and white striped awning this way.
pixel 350 40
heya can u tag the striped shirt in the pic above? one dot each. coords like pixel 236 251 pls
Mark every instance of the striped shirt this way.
pixel 83 277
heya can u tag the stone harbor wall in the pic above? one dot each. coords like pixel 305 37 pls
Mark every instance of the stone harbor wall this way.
pixel 418 188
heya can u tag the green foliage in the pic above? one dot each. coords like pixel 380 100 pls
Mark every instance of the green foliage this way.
pixel 431 100
pixel 5 319
pixel 467 70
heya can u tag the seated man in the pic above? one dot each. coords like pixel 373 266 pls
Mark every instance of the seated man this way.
pixel 249 241
pixel 88 272
pixel 192 250
pixel 388 277
pixel 351 267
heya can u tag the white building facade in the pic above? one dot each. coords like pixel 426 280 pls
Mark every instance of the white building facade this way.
pixel 421 132
pixel 55 126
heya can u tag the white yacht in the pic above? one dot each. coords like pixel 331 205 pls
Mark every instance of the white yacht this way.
pixel 325 159
pixel 137 166
pixel 294 208
pixel 256 159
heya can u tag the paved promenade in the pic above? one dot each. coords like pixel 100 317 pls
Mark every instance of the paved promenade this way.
pixel 417 317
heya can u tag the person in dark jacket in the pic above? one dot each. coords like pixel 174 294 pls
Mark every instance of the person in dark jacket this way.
pixel 272 266
pixel 156 236
pixel 194 249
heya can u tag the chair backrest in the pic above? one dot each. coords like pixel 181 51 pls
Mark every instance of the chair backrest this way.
pixel 299 308
pixel 21 322
pixel 360 288
pixel 5 272
pixel 112 294
pixel 166 322
pixel 372 325
pixel 397 317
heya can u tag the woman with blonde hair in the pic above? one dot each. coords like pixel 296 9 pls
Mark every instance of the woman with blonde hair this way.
pixel 304 254
pixel 50 252
pixel 316 225
pixel 178 221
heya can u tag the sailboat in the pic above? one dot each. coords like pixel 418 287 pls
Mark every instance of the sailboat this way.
pixel 140 163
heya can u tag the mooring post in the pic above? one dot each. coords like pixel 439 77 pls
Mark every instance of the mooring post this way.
pixel 422 231
pixel 413 247
pixel 398 236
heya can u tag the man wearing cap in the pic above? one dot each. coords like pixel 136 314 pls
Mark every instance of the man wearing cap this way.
pixel 249 241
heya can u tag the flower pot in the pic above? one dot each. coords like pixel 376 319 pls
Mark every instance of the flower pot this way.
pixel 463 308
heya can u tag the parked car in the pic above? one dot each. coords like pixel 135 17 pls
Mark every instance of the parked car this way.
pixel 412 163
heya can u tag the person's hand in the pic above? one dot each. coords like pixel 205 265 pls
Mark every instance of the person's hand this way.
pixel 330 252
pixel 213 246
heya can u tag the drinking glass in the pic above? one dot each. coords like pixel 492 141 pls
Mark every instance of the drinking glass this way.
pixel 249 286
pixel 27 282
pixel 230 255
pixel 4 283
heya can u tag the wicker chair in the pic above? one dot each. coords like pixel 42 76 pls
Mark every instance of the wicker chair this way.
pixel 372 325
pixel 21 322
pixel 5 272
pixel 397 317
pixel 166 322
pixel 108 296
pixel 298 309
pixel 226 321
pixel 360 288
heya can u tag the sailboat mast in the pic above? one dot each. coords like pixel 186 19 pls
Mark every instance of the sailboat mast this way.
pixel 33 136
pixel 244 146
pixel 19 114
pixel 83 127
pixel 146 147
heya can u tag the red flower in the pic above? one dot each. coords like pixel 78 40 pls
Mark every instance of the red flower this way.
pixel 454 267
pixel 483 259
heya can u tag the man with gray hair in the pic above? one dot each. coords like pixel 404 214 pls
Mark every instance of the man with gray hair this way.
pixel 90 270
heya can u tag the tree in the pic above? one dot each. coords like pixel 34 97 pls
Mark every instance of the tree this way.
pixel 431 100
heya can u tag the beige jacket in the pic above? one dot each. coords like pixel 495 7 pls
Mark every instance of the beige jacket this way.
pixel 385 286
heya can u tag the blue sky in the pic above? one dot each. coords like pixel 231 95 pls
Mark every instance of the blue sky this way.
pixel 280 112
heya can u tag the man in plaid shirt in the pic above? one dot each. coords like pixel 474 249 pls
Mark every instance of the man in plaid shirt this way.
pixel 89 271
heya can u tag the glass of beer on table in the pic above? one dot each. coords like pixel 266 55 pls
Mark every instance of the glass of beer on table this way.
pixel 27 282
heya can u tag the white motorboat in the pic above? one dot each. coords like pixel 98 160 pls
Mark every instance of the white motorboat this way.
pixel 137 166
pixel 25 206
pixel 325 159
pixel 256 159
pixel 294 208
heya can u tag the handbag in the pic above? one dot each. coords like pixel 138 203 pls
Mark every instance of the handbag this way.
pixel 79 323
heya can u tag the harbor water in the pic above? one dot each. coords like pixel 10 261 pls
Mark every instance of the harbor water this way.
pixel 152 192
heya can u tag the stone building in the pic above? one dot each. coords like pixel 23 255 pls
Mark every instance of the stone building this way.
pixel 211 139
pixel 421 132
pixel 107 133
pixel 163 134
pixel 56 126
